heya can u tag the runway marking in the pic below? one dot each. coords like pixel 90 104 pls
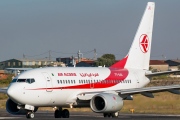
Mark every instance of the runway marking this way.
pixel 151 115
pixel 2 118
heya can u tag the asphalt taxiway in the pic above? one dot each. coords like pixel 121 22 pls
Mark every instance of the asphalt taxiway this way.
pixel 49 115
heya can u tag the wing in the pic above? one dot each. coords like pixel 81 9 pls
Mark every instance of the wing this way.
pixel 3 90
pixel 161 73
pixel 147 91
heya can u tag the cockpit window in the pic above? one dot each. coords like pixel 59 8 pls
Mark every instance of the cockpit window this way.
pixel 30 81
pixel 21 80
pixel 14 80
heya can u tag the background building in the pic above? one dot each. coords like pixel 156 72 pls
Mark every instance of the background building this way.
pixel 173 64
pixel 12 63
pixel 158 65
pixel 28 63
pixel 68 61
pixel 36 62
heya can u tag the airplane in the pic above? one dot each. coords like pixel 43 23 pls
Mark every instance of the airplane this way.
pixel 100 88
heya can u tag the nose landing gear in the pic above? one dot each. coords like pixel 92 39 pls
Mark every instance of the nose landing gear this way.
pixel 30 115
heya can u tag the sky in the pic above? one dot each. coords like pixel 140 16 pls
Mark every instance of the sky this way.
pixel 34 27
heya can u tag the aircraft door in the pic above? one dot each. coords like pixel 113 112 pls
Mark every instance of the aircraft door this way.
pixel 48 82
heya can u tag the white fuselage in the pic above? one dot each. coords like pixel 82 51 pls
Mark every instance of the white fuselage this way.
pixel 58 86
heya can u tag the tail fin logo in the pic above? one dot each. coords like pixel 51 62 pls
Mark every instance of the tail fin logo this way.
pixel 144 43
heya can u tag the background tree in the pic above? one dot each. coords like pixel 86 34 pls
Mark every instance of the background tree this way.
pixel 106 59
pixel 109 56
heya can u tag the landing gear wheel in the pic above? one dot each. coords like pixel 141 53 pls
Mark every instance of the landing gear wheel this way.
pixel 30 115
pixel 57 114
pixel 65 113
pixel 109 115
pixel 116 114
pixel 105 115
pixel 27 115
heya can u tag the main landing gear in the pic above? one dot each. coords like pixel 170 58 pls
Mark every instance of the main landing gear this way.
pixel 113 115
pixel 61 113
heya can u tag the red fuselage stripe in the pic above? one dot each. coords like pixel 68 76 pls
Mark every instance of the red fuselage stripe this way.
pixel 116 76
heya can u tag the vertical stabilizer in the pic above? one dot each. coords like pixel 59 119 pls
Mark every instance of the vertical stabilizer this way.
pixel 139 53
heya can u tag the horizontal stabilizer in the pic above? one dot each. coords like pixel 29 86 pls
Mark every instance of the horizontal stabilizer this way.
pixel 161 73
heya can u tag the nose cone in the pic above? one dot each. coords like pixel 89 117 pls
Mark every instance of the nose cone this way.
pixel 11 92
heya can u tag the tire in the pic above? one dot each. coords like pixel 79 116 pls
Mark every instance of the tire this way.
pixel 57 114
pixel 30 115
pixel 27 115
pixel 109 115
pixel 65 113
pixel 105 115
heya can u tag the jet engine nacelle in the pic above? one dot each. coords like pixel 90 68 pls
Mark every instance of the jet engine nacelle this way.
pixel 106 102
pixel 11 107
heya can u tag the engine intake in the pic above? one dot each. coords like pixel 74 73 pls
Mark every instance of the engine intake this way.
pixel 106 102
pixel 11 107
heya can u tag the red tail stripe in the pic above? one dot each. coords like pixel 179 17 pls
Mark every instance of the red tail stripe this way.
pixel 120 64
